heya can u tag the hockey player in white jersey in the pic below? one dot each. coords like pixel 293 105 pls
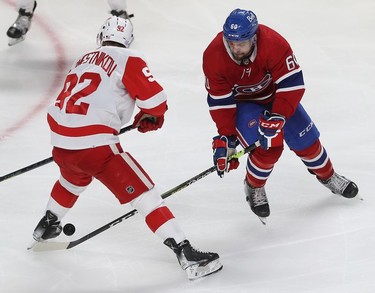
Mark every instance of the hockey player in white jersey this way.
pixel 17 31
pixel 99 95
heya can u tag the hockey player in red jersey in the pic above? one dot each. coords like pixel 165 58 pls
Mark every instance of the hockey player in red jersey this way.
pixel 17 31
pixel 99 95
pixel 255 86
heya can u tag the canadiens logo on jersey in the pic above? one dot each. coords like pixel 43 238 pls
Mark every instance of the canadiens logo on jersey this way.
pixel 252 123
pixel 256 92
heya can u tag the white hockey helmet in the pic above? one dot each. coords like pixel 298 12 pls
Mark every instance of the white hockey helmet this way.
pixel 116 29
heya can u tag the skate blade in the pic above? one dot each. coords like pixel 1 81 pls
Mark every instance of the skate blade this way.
pixel 12 41
pixel 195 271
pixel 32 245
pixel 263 220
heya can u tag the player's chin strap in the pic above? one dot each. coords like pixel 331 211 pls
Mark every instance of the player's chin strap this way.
pixel 46 161
pixel 49 245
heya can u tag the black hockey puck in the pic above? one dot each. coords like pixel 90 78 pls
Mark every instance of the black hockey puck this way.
pixel 69 229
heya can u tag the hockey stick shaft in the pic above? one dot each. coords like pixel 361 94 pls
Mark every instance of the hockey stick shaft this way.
pixel 45 161
pixel 133 212
pixel 67 245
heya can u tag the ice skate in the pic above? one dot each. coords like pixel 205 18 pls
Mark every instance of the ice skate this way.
pixel 257 200
pixel 122 13
pixel 197 264
pixel 340 185
pixel 47 228
pixel 20 27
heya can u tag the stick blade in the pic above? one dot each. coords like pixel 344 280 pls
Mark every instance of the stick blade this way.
pixel 48 246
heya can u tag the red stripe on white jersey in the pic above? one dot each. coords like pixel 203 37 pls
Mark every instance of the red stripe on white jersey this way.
pixel 78 131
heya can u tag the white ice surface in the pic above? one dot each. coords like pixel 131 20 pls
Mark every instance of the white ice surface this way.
pixel 314 242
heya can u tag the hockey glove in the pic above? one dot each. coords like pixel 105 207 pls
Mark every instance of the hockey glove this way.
pixel 146 122
pixel 271 130
pixel 224 147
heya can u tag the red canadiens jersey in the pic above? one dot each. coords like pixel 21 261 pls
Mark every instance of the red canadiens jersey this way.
pixel 271 75
pixel 99 95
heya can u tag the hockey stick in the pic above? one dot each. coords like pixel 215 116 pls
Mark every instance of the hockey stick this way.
pixel 46 161
pixel 44 246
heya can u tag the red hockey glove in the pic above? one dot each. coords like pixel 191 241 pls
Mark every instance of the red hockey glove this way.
pixel 270 129
pixel 146 122
pixel 224 147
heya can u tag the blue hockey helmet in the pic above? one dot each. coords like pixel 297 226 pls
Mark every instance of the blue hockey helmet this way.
pixel 240 25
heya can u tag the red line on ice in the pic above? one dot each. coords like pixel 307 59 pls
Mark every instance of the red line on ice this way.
pixel 53 87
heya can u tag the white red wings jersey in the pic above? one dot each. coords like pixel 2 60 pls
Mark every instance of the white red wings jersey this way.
pixel 99 96
pixel 270 76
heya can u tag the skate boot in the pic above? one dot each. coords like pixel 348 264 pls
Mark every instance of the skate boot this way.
pixel 20 27
pixel 122 14
pixel 340 185
pixel 47 228
pixel 197 264
pixel 257 200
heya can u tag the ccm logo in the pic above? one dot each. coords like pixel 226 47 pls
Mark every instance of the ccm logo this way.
pixel 271 125
pixel 307 129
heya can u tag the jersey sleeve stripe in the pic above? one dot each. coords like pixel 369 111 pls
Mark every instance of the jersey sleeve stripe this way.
pixel 288 75
pixel 152 102
pixel 289 89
